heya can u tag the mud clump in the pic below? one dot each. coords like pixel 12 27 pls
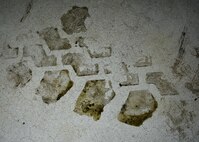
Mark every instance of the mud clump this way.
pixel 53 39
pixel 54 85
pixel 39 57
pixel 164 87
pixel 93 98
pixel 138 107
pixel 73 20
pixel 19 74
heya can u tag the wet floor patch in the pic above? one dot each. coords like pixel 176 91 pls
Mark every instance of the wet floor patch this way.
pixel 76 60
pixel 95 95
pixel 164 87
pixel 19 74
pixel 54 85
pixel 39 57
pixel 138 107
pixel 73 20
pixel 53 39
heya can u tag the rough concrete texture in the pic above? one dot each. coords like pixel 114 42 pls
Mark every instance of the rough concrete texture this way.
pixel 93 98
pixel 73 20
pixel 165 87
pixel 54 85
pixel 53 39
pixel 145 36
pixel 9 52
pixel 138 107
pixel 19 74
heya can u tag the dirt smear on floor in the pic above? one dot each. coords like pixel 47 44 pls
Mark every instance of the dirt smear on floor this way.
pixel 193 85
pixel 179 68
pixel 19 74
pixel 95 95
pixel 164 87
pixel 73 20
pixel 179 119
pixel 39 56
pixel 131 78
pixel 54 85
pixel 53 39
pixel 138 107
pixel 76 60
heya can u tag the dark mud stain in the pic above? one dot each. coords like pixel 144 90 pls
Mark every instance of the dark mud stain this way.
pixel 138 107
pixel 144 62
pixel 73 20
pixel 164 87
pixel 53 39
pixel 93 98
pixel 193 85
pixel 76 60
pixel 54 85
pixel 131 79
pixel 19 74
pixel 178 67
pixel 27 12
pixel 39 57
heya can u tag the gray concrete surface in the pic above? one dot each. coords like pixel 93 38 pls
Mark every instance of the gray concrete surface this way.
pixel 144 37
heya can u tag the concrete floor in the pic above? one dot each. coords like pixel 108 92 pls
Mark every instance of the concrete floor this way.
pixel 133 29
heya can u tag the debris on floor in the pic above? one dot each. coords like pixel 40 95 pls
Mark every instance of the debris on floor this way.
pixel 53 39
pixel 19 74
pixel 39 57
pixel 95 95
pixel 164 87
pixel 139 106
pixel 77 62
pixel 100 52
pixel 131 78
pixel 73 20
pixel 80 42
pixel 54 85
pixel 193 85
pixel 144 62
